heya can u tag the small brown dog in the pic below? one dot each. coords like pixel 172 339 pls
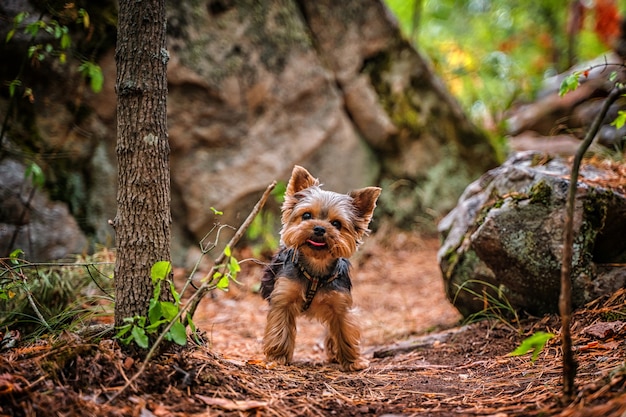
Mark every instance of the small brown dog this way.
pixel 310 274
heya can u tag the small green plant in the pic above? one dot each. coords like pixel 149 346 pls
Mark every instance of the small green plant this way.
pixel 36 298
pixel 137 329
pixel 9 286
pixel 535 343
pixel 169 315
pixel 224 273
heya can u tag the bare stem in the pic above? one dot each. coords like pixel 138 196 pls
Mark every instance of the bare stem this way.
pixel 565 299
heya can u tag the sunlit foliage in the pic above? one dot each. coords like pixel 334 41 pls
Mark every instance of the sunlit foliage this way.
pixel 491 53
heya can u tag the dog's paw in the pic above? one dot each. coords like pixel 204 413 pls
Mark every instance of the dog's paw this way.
pixel 357 365
pixel 278 360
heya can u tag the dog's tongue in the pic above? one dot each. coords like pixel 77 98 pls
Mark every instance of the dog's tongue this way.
pixel 318 244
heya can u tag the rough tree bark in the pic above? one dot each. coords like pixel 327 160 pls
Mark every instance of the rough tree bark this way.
pixel 143 220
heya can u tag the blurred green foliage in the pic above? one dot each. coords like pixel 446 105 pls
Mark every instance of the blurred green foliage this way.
pixel 491 53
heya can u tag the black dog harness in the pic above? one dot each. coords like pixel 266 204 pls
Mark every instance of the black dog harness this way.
pixel 285 263
pixel 313 284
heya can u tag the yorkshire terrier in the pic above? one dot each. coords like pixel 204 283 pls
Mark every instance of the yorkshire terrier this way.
pixel 310 274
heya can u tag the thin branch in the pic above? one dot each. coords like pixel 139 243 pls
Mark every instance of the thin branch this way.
pixel 203 250
pixel 565 298
pixel 235 239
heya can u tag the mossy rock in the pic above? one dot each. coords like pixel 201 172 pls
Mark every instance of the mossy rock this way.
pixel 505 238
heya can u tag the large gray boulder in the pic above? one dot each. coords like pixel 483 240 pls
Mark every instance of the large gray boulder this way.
pixel 503 241
pixel 43 229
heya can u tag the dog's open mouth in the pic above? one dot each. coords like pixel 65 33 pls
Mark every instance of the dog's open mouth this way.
pixel 316 245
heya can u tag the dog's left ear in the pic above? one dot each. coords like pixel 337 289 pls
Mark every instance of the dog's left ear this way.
pixel 364 201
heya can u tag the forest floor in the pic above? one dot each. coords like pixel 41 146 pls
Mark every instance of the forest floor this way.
pixel 424 360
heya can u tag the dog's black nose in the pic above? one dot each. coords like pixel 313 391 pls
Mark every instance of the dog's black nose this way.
pixel 319 231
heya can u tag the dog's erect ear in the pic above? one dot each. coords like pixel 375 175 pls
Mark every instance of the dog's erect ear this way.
pixel 365 202
pixel 300 180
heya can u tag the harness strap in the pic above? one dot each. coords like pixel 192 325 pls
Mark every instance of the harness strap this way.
pixel 313 285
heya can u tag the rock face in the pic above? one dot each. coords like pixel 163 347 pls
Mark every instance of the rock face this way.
pixel 43 229
pixel 254 88
pixel 504 238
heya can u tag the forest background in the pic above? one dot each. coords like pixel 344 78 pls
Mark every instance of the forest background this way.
pixel 503 63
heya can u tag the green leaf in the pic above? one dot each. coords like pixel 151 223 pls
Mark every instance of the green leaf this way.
pixel 160 270
pixel 92 71
pixel 191 324
pixel 174 293
pixel 153 327
pixel 12 85
pixel 35 173
pixel 227 251
pixel 620 120
pixel 139 336
pixel 569 83
pixel 84 16
pixel 10 35
pixel 32 28
pixel 66 41
pixel 157 291
pixel 97 78
pixel 16 254
pixel 216 211
pixel 154 312
pixel 536 343
pixel 19 18
pixel 168 310
pixel 233 266
pixel 222 284
pixel 122 330
pixel 178 333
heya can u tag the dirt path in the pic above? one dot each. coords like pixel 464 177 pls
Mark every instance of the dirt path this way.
pixel 398 290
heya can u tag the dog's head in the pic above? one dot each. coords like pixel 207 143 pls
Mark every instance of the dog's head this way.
pixel 324 225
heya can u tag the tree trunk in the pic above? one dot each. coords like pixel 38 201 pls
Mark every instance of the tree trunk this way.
pixel 143 220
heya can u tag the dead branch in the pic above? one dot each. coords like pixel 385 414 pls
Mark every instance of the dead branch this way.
pixel 422 342
pixel 565 298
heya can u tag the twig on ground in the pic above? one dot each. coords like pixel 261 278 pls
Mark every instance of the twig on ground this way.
pixel 418 343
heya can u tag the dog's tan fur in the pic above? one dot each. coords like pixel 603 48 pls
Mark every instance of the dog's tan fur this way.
pixel 321 229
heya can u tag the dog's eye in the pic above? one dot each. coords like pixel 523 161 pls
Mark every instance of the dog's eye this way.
pixel 336 224
pixel 307 216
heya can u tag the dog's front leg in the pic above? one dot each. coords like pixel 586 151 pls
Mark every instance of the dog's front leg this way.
pixel 343 336
pixel 280 329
